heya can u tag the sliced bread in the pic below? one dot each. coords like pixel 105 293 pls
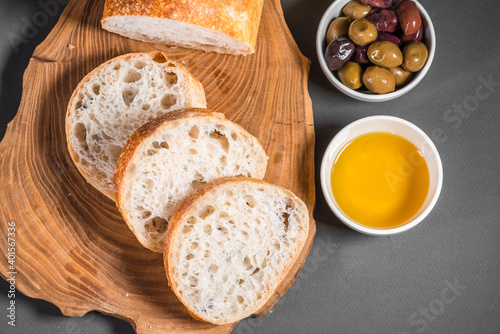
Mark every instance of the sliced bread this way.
pixel 230 244
pixel 168 158
pixel 209 25
pixel 115 99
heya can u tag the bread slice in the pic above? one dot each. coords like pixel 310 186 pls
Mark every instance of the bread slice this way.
pixel 173 155
pixel 115 99
pixel 230 244
pixel 210 25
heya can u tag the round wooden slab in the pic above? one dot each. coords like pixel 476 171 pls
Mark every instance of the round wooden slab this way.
pixel 72 247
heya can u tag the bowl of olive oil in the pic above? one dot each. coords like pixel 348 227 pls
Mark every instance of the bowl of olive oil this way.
pixel 381 175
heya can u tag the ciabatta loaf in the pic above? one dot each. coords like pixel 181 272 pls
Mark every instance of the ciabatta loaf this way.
pixel 173 155
pixel 114 100
pixel 230 244
pixel 222 26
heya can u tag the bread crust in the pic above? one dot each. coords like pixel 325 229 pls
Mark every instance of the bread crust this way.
pixel 69 121
pixel 182 213
pixel 238 19
pixel 134 143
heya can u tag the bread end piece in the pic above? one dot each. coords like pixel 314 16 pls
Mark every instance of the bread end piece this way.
pixel 228 27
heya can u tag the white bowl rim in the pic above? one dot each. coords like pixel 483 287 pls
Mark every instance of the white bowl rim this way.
pixel 361 96
pixel 326 170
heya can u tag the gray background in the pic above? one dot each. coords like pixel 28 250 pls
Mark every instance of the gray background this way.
pixel 440 277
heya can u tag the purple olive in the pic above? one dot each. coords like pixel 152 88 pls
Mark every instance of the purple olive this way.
pixel 383 19
pixel 416 37
pixel 338 52
pixel 378 3
pixel 360 55
pixel 385 36
pixel 408 16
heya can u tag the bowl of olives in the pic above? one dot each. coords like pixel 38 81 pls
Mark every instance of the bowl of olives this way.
pixel 375 50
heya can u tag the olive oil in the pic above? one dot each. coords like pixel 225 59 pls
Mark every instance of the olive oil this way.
pixel 380 180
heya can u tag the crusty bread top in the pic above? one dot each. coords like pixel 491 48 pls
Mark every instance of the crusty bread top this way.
pixel 238 19
pixel 168 158
pixel 115 99
pixel 230 244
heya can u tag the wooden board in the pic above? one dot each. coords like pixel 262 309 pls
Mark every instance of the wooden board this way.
pixel 72 247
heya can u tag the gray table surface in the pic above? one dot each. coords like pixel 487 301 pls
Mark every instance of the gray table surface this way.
pixel 440 277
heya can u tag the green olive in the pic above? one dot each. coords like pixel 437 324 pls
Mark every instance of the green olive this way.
pixel 401 75
pixel 415 55
pixel 362 32
pixel 350 75
pixel 337 28
pixel 385 54
pixel 379 80
pixel 356 10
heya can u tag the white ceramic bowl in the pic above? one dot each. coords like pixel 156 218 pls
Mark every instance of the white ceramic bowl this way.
pixel 395 126
pixel 334 11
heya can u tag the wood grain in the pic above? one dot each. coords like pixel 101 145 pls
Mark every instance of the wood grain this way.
pixel 72 247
